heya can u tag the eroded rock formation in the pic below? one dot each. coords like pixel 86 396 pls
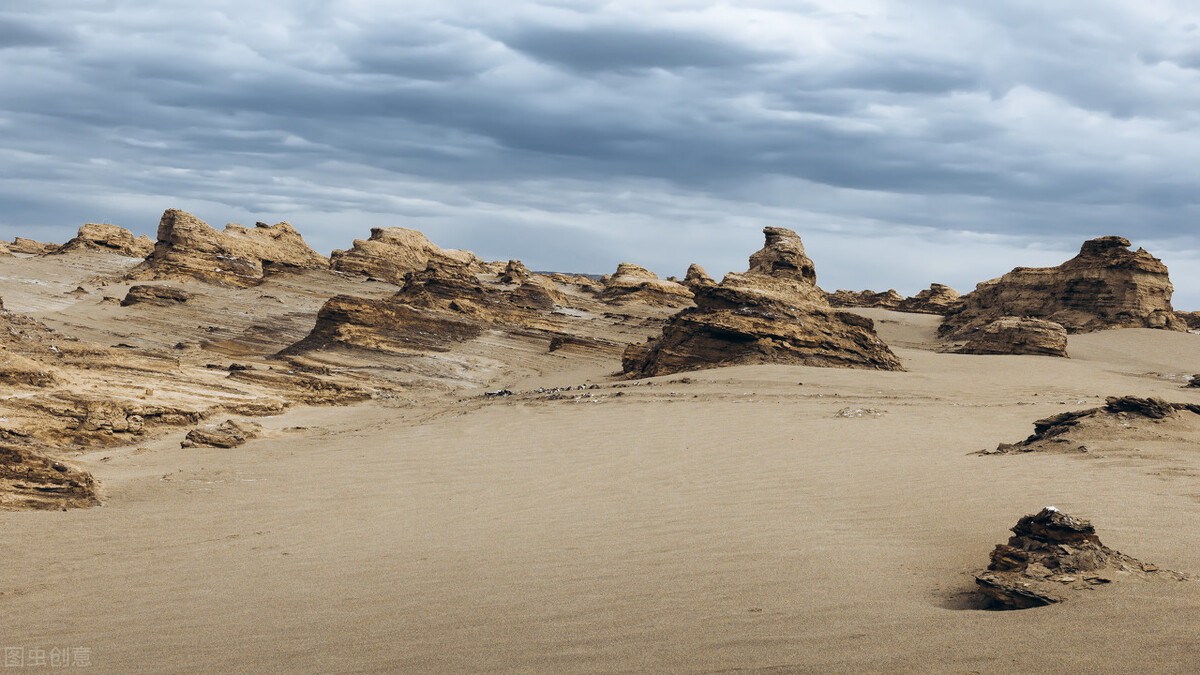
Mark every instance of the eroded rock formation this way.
pixel 1105 286
pixel 514 272
pixel 228 434
pixel 110 238
pixel 635 284
pixel 1013 335
pixel 31 247
pixel 32 480
pixel 393 252
pixel 888 299
pixel 1119 420
pixel 188 248
pixel 163 296
pixel 697 276
pixel 937 299
pixel 773 313
pixel 1052 555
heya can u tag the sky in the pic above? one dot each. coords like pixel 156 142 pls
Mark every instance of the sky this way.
pixel 907 142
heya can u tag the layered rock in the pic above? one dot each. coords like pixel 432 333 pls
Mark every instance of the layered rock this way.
pixel 109 238
pixel 514 272
pixel 1013 335
pixel 635 284
pixel 1119 420
pixel 888 299
pixel 1052 555
pixel 1105 286
pixel 1189 319
pixel 697 276
pixel 937 299
pixel 227 434
pixel 162 296
pixel 393 252
pixel 30 479
pixel 774 313
pixel 188 248
pixel 31 247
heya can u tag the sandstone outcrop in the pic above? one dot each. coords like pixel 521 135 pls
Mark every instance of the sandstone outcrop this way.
pixel 31 247
pixel 1013 335
pixel 163 296
pixel 937 299
pixel 1052 555
pixel 697 276
pixel 110 238
pixel 393 252
pixel 888 299
pixel 1189 319
pixel 635 284
pixel 227 434
pixel 1120 421
pixel 32 480
pixel 1105 286
pixel 188 248
pixel 515 272
pixel 5 251
pixel 773 313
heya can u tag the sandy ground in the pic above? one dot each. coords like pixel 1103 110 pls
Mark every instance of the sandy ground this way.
pixel 729 520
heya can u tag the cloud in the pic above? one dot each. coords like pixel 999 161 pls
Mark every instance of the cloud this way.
pixel 578 133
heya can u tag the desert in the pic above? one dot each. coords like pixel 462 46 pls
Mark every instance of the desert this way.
pixel 222 451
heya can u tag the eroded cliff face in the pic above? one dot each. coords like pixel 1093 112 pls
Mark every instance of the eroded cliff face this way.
pixel 188 248
pixel 888 299
pixel 1105 286
pixel 773 313
pixel 635 284
pixel 393 252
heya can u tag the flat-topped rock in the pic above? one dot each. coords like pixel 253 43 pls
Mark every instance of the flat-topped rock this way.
pixel 937 299
pixel 393 252
pixel 108 238
pixel 188 248
pixel 632 283
pixel 1018 335
pixel 1105 286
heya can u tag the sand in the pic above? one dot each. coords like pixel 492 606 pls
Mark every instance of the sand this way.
pixel 725 520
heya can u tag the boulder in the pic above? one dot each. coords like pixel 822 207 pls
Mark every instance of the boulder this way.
pixel 31 247
pixel 773 313
pixel 227 434
pixel 393 252
pixel 188 248
pixel 163 296
pixel 888 299
pixel 1052 555
pixel 1105 286
pixel 1014 335
pixel 635 284
pixel 110 238
pixel 937 299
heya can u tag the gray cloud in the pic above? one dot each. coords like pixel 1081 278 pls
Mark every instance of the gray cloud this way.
pixel 577 134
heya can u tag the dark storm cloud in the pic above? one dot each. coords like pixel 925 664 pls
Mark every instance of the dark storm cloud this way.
pixel 577 130
pixel 599 48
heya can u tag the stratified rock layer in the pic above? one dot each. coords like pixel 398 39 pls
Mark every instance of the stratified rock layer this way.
pixel 188 248
pixel 393 252
pixel 888 299
pixel 1012 335
pixel 635 284
pixel 31 247
pixel 774 313
pixel 1105 286
pixel 937 299
pixel 110 238
pixel 1051 555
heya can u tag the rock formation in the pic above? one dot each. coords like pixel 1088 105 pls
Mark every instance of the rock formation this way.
pixel 1105 286
pixel 188 248
pixel 1189 319
pixel 515 272
pixel 1012 335
pixel 888 299
pixel 697 276
pixel 227 434
pixel 937 299
pixel 635 284
pixel 163 296
pixel 393 252
pixel 32 480
pixel 774 313
pixel 1051 555
pixel 31 247
pixel 104 237
pixel 1120 418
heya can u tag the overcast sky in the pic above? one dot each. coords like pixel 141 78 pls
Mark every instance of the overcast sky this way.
pixel 907 142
